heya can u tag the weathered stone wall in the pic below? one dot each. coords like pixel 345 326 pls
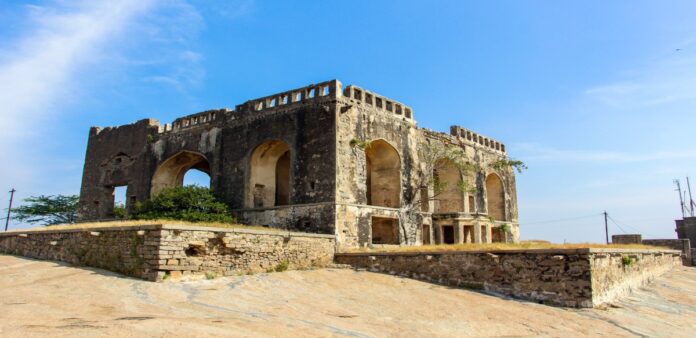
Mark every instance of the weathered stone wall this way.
pixel 615 272
pixel 223 253
pixel 686 229
pixel 683 245
pixel 567 277
pixel 627 239
pixel 122 250
pixel 157 252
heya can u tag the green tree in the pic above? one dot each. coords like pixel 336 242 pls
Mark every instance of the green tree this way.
pixel 504 163
pixel 49 210
pixel 190 203
pixel 433 157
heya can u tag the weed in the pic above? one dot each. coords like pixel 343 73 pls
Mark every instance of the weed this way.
pixel 629 261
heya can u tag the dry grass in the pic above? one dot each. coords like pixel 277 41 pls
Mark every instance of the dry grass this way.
pixel 524 245
pixel 136 223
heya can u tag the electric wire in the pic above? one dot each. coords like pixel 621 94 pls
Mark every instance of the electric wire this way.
pixel 617 224
pixel 632 227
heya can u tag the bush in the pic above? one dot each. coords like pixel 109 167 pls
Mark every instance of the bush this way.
pixel 189 203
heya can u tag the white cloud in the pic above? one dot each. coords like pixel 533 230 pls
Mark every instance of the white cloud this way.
pixel 65 47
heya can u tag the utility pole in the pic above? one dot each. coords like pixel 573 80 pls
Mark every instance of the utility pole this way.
pixel 606 226
pixel 9 210
pixel 681 200
pixel 691 199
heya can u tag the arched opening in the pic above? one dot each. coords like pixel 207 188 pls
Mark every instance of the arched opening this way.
pixel 383 175
pixel 197 177
pixel 270 175
pixel 172 171
pixel 448 177
pixel 495 196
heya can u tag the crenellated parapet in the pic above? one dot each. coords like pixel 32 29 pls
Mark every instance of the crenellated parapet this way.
pixel 380 102
pixel 291 97
pixel 474 138
pixel 198 119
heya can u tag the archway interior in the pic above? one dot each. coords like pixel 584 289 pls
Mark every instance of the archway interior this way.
pixel 451 198
pixel 270 175
pixel 495 197
pixel 172 171
pixel 383 175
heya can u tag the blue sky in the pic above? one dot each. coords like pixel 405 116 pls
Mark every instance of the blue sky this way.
pixel 598 98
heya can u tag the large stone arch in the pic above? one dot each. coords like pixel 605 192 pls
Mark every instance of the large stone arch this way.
pixel 495 197
pixel 383 175
pixel 451 198
pixel 270 175
pixel 170 173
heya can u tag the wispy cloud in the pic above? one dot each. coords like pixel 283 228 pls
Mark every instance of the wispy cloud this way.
pixel 536 152
pixel 62 47
pixel 38 70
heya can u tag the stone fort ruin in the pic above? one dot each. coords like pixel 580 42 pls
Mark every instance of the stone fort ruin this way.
pixel 292 160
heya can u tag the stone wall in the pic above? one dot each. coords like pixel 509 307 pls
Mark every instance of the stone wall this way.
pixel 627 239
pixel 565 277
pixel 156 252
pixel 615 272
pixel 122 250
pixel 682 245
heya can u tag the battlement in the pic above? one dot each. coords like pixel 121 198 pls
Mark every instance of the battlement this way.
pixel 474 138
pixel 378 101
pixel 330 89
pixel 188 121
pixel 304 94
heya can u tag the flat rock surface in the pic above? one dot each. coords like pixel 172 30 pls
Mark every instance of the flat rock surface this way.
pixel 40 298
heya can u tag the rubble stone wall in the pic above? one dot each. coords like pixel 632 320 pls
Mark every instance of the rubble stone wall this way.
pixel 157 252
pixel 616 272
pixel 682 245
pixel 567 277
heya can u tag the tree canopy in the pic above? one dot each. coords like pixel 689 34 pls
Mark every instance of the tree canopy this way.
pixel 189 203
pixel 48 210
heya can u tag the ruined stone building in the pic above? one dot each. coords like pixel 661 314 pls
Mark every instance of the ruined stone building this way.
pixel 294 160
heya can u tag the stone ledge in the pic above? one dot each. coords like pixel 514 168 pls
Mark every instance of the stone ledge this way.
pixel 168 227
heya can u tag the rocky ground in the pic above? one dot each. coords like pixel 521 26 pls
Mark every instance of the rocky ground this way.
pixel 39 298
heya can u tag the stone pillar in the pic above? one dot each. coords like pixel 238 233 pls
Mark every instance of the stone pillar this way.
pixel 458 232
pixel 489 234
pixel 477 232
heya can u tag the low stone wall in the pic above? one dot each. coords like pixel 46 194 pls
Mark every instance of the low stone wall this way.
pixel 682 245
pixel 615 272
pixel 566 277
pixel 157 252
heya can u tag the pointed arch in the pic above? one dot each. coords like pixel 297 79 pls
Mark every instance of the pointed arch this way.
pixel 495 197
pixel 451 199
pixel 383 174
pixel 270 171
pixel 170 173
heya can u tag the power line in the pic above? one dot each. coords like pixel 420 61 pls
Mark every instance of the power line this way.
pixel 617 224
pixel 632 227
